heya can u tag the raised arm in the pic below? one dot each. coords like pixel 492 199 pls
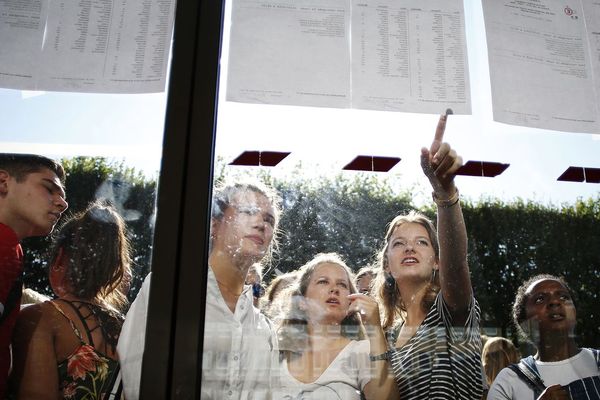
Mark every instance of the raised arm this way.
pixel 440 163
pixel 35 371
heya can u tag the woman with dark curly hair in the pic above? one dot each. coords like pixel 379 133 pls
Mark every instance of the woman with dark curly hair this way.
pixel 544 313
pixel 320 332
pixel 66 347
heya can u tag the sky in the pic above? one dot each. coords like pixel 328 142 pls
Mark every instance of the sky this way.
pixel 130 128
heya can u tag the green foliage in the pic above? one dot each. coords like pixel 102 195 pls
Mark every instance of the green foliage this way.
pixel 349 213
pixel 342 215
pixel 509 243
pixel 346 214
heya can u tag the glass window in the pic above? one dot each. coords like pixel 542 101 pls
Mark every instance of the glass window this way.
pixel 330 180
pixel 110 146
pixel 516 220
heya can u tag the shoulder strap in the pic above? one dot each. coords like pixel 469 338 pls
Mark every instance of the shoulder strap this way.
pixel 115 386
pixel 68 319
pixel 83 319
pixel 527 371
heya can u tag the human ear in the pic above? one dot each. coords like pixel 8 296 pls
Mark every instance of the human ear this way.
pixel 390 281
pixel 57 264
pixel 4 178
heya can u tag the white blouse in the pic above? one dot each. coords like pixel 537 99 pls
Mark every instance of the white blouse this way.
pixel 240 353
pixel 344 378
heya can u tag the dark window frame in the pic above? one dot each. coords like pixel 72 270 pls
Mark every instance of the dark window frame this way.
pixel 173 350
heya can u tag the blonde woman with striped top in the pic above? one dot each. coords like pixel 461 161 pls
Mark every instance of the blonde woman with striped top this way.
pixel 423 285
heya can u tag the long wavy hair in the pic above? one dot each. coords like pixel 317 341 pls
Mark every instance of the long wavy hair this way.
pixel 95 245
pixel 384 286
pixel 292 325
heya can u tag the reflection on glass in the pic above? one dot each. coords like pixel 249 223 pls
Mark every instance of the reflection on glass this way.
pixel 436 308
pixel 75 295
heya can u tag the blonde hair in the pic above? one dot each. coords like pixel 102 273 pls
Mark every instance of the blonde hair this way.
pixel 498 353
pixel 385 288
pixel 293 323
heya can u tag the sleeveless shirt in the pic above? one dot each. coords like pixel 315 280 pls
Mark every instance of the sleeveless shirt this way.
pixel 88 373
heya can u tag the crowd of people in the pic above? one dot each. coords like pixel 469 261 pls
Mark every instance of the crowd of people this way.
pixel 405 327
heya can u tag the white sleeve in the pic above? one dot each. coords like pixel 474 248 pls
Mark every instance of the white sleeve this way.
pixel 503 387
pixel 275 368
pixel 131 342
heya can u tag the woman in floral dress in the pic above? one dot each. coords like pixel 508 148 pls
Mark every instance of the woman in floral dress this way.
pixel 66 348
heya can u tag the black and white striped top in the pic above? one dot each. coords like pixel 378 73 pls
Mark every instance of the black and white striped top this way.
pixel 440 361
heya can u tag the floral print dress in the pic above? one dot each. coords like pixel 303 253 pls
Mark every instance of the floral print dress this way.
pixel 87 374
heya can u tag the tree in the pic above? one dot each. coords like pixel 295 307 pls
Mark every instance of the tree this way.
pixel 349 213
pixel 329 216
pixel 511 242
pixel 508 242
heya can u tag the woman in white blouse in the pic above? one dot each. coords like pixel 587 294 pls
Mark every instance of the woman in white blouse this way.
pixel 322 356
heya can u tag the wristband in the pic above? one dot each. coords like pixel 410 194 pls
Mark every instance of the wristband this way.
pixel 447 203
pixel 383 356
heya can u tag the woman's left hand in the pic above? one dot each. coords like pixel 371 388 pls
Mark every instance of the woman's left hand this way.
pixel 440 162
pixel 367 307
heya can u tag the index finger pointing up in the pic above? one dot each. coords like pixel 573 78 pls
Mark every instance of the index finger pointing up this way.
pixel 439 132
